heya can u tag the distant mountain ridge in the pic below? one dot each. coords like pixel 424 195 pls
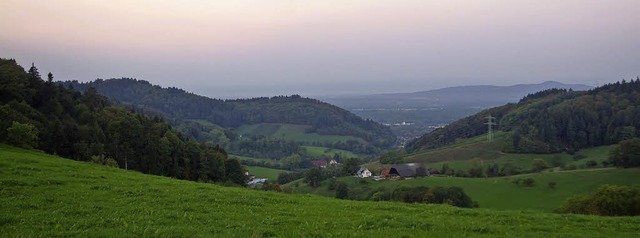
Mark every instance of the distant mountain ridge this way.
pixel 472 96
pixel 412 114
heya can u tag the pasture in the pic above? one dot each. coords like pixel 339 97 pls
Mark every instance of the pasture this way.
pixel 44 195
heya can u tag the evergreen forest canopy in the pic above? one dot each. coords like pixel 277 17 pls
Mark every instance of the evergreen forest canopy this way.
pixel 553 120
pixel 216 121
pixel 85 126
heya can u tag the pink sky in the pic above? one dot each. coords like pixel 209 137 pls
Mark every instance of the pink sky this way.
pixel 268 47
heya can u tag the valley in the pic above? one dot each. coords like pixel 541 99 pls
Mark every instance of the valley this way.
pixel 318 119
pixel 546 150
pixel 411 115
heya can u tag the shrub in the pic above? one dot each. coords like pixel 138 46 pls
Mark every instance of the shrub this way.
pixel 552 184
pixel 626 154
pixel 22 135
pixel 528 182
pixel 517 181
pixel 342 191
pixel 591 163
pixel 578 157
pixel 556 161
pixel 272 187
pixel 332 184
pixel 538 165
pixel 608 200
pixel 454 196
pixel 101 159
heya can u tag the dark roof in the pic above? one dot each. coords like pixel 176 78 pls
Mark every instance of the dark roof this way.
pixel 406 170
pixel 319 163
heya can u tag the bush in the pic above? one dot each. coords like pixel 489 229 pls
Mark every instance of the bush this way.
pixel 591 163
pixel 556 161
pixel 577 157
pixel 286 177
pixel 517 181
pixel 272 187
pixel 332 184
pixel 538 165
pixel 454 196
pixel 552 184
pixel 528 182
pixel 342 191
pixel 626 154
pixel 608 200
pixel 22 135
pixel 313 177
pixel 100 159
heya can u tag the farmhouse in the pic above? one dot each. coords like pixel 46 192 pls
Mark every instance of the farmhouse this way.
pixel 363 173
pixel 319 163
pixel 385 173
pixel 256 181
pixel 410 170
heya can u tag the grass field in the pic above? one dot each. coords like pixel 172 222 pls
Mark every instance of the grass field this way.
pixel 262 172
pixel 315 151
pixel 459 155
pixel 43 195
pixel 500 192
pixel 291 132
pixel 477 147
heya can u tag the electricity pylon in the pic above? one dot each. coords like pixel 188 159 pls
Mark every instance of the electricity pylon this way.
pixel 490 124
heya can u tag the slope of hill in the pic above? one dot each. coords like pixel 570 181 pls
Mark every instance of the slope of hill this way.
pixel 423 111
pixel 84 126
pixel 176 105
pixel 553 120
pixel 44 195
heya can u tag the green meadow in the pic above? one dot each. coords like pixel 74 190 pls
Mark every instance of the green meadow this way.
pixel 459 155
pixel 262 172
pixel 501 193
pixel 292 132
pixel 44 195
pixel 316 151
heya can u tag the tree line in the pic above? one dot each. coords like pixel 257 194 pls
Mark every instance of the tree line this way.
pixel 40 114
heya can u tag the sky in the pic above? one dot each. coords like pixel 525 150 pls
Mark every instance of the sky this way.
pixel 243 48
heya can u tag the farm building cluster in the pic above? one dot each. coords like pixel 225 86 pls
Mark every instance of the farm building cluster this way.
pixel 399 171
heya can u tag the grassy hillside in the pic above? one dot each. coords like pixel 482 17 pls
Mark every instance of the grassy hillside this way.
pixel 323 151
pixel 43 195
pixel 292 132
pixel 464 149
pixel 459 155
pixel 501 193
pixel 262 172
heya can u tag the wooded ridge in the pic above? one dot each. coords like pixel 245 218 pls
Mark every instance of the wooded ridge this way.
pixel 553 120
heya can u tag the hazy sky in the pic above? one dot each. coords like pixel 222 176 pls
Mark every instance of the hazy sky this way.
pixel 237 48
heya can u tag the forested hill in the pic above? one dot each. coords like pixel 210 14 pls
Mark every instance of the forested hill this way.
pixel 40 114
pixel 176 105
pixel 553 120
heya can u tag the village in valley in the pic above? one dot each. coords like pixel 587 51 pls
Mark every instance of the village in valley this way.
pixel 384 172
